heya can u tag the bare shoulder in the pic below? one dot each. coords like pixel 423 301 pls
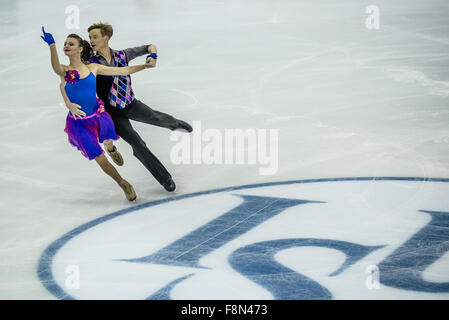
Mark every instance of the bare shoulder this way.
pixel 93 67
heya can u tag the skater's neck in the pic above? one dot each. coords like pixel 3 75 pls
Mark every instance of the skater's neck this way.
pixel 106 53
pixel 76 62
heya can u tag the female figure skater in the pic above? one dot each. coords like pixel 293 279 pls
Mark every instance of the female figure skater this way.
pixel 94 125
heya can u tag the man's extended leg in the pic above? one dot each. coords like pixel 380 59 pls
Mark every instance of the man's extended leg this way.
pixel 139 111
pixel 140 150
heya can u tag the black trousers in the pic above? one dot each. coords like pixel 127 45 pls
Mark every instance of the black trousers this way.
pixel 139 111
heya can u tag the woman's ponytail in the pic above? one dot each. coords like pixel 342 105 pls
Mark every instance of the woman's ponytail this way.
pixel 88 52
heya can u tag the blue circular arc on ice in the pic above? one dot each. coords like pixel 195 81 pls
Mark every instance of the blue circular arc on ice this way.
pixel 256 261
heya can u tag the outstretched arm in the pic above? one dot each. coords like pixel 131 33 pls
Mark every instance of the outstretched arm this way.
pixel 132 53
pixel 117 71
pixel 48 38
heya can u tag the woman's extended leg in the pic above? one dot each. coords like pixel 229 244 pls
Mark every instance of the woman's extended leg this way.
pixel 110 170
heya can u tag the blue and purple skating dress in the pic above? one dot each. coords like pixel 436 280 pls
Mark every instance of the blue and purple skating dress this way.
pixel 96 126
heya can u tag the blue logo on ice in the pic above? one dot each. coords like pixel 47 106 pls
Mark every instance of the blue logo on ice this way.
pixel 245 233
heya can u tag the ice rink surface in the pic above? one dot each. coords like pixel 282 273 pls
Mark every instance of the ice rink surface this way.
pixel 347 102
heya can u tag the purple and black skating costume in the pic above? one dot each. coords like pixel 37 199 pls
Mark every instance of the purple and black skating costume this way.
pixel 96 126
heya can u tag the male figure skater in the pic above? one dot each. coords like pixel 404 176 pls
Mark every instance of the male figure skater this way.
pixel 120 103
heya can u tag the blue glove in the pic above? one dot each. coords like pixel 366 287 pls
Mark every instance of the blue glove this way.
pixel 47 37
pixel 153 55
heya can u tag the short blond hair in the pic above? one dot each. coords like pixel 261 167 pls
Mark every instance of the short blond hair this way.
pixel 105 29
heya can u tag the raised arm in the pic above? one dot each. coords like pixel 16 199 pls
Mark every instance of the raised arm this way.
pixel 57 67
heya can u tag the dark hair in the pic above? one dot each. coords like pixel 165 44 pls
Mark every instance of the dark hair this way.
pixel 105 28
pixel 87 52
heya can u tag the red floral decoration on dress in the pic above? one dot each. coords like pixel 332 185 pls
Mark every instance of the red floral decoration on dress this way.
pixel 72 76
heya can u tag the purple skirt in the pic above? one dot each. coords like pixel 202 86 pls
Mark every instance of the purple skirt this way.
pixel 87 133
